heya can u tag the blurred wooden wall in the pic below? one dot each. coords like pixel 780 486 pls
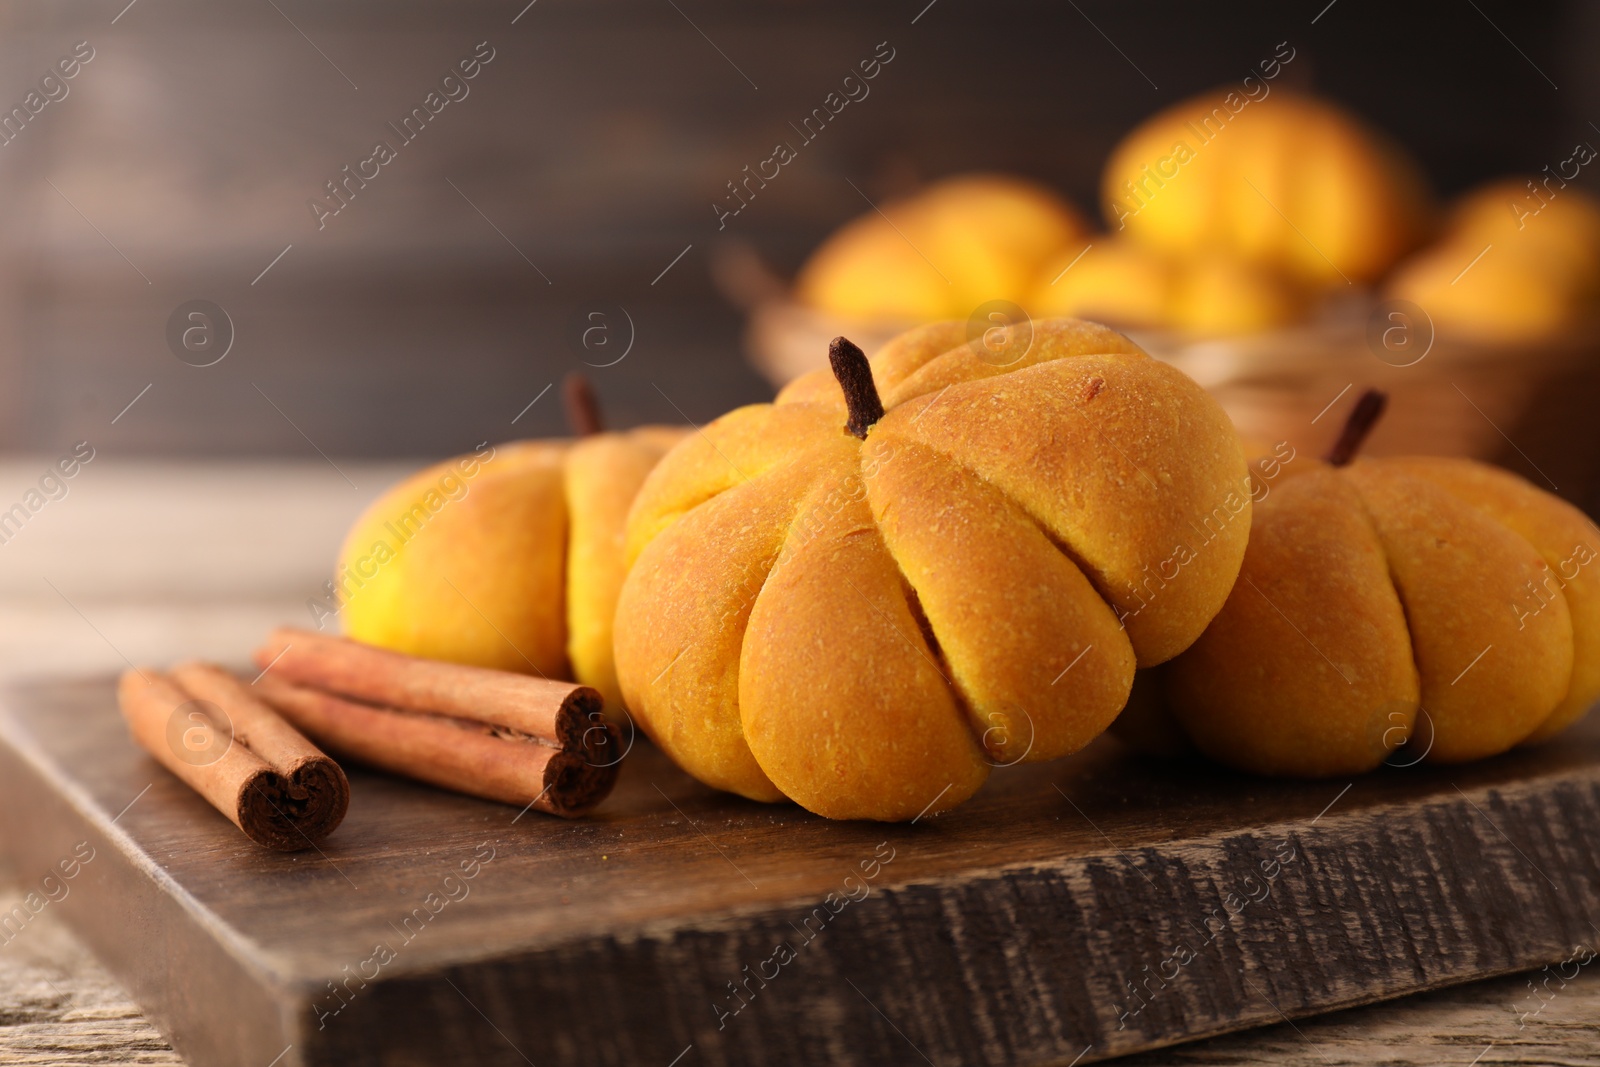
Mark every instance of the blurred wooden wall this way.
pixel 596 142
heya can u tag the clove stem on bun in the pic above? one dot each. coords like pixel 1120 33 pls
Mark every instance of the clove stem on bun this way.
pixel 581 405
pixel 1367 412
pixel 854 372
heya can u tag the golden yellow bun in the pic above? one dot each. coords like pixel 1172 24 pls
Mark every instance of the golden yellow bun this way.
pixel 510 557
pixel 866 270
pixel 866 626
pixel 1224 295
pixel 1510 267
pixel 603 473
pixel 1525 216
pixel 1124 283
pixel 1286 181
pixel 1117 281
pixel 941 253
pixel 1370 591
pixel 1567 541
pixel 1502 298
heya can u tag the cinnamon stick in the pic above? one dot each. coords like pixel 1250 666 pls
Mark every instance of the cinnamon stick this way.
pixel 209 729
pixel 494 734
pixel 460 754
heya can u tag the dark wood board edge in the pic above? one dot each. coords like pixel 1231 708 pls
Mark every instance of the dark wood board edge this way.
pixel 1026 966
pixel 211 1003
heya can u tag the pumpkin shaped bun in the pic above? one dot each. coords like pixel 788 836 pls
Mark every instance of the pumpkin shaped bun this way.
pixel 1512 266
pixel 862 598
pixel 1285 180
pixel 510 557
pixel 1383 596
pixel 1125 283
pixel 990 234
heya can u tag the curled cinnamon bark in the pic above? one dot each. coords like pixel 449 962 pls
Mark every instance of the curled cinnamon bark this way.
pixel 459 754
pixel 494 734
pixel 209 729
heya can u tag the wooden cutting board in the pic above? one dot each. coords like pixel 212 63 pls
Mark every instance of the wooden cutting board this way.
pixel 1071 912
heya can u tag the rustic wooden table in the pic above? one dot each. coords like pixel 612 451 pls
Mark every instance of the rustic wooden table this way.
pixel 149 561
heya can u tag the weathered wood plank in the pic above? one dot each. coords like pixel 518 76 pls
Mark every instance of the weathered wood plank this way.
pixel 58 1005
pixel 1100 903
